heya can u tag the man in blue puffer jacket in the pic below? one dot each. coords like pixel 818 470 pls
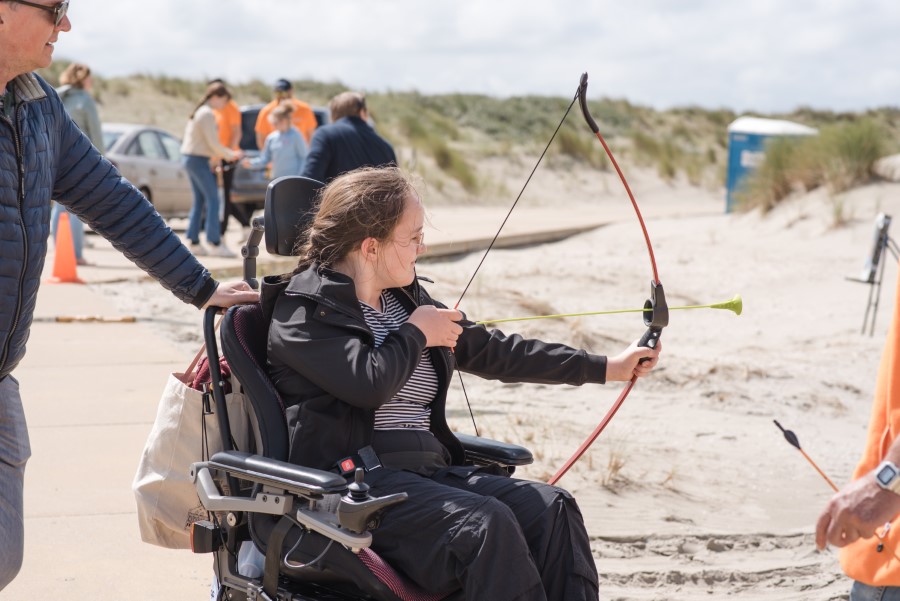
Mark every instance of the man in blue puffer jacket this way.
pixel 44 155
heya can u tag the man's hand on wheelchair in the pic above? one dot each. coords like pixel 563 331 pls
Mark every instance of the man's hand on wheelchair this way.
pixel 232 293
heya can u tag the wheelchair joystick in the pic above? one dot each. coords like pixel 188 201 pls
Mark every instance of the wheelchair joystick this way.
pixel 359 490
pixel 358 511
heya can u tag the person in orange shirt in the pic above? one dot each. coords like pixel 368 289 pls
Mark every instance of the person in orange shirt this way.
pixel 870 505
pixel 228 120
pixel 304 118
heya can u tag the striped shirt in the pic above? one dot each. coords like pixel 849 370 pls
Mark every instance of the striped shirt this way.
pixel 411 407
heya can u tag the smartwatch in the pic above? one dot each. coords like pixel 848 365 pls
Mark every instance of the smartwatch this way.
pixel 887 474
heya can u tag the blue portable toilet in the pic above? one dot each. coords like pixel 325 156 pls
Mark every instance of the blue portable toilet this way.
pixel 747 137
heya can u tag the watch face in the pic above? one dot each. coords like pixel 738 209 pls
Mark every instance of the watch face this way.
pixel 886 475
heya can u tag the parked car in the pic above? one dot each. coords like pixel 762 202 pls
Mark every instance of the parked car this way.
pixel 150 158
pixel 249 186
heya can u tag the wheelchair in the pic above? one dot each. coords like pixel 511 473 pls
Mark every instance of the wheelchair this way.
pixel 313 527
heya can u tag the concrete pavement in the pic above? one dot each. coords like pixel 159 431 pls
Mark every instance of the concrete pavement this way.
pixel 91 389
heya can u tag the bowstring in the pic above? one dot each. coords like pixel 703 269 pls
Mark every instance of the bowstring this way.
pixel 522 191
pixel 494 240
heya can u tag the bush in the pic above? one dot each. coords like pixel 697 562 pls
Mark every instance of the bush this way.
pixel 429 131
pixel 454 164
pixel 581 147
pixel 841 156
pixel 771 181
pixel 848 151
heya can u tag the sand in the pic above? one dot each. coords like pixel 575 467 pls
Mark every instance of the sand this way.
pixel 692 492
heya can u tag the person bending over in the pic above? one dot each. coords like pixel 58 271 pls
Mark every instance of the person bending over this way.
pixel 363 357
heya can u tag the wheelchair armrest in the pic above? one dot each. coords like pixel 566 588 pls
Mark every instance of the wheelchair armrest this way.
pixel 304 481
pixel 486 451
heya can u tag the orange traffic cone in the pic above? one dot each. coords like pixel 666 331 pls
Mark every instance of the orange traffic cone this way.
pixel 65 270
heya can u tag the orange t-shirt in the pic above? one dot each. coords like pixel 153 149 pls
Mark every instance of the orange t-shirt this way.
pixel 303 119
pixel 862 560
pixel 226 119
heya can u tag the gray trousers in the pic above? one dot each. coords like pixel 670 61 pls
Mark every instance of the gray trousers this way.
pixel 14 452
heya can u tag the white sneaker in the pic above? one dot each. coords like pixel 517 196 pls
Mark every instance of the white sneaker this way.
pixel 197 249
pixel 220 250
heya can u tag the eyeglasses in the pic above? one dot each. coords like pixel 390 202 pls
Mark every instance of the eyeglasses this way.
pixel 58 10
pixel 418 241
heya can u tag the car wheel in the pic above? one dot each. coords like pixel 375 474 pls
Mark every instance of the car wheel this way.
pixel 146 192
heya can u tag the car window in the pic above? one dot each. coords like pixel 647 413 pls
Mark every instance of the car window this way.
pixel 147 144
pixel 110 138
pixel 172 146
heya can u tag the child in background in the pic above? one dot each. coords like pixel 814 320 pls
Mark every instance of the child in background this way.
pixel 285 147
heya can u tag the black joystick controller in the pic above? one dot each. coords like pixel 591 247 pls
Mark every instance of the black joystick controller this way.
pixel 359 490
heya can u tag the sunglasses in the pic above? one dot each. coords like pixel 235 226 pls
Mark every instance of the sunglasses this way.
pixel 58 10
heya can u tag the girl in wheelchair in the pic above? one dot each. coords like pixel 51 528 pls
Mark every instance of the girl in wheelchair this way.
pixel 363 358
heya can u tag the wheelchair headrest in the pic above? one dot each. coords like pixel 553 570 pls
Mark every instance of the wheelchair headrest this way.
pixel 291 203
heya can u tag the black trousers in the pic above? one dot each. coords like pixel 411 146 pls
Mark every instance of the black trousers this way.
pixel 493 536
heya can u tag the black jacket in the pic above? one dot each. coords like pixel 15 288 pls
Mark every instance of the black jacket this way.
pixel 345 145
pixel 324 363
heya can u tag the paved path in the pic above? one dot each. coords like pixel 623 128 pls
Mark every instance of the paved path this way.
pixel 90 393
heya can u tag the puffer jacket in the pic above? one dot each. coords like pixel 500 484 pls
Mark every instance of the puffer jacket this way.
pixel 323 361
pixel 43 156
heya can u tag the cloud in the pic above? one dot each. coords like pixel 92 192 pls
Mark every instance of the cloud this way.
pixel 763 55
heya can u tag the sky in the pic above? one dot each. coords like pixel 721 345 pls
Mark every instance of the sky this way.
pixel 766 56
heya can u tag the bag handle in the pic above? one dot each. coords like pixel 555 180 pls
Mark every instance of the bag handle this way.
pixel 190 368
pixel 189 372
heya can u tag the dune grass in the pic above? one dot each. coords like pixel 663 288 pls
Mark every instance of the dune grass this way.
pixel 840 157
pixel 446 136
pixel 431 132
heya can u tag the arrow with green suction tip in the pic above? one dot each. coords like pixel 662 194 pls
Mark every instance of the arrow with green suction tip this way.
pixel 736 305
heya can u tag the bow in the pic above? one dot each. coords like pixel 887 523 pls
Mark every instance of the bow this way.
pixel 655 311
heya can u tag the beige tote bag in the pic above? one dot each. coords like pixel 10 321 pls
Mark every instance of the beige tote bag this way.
pixel 167 502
